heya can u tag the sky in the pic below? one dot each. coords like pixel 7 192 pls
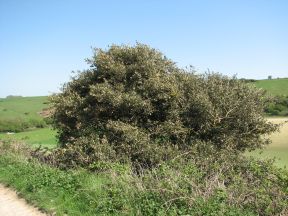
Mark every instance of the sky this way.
pixel 42 42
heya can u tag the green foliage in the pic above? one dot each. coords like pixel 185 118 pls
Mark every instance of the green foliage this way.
pixel 279 106
pixel 218 186
pixel 135 105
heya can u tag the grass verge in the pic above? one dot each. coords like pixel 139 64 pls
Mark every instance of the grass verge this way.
pixel 52 190
pixel 172 189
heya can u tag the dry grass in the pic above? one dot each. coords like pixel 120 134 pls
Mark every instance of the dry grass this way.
pixel 279 146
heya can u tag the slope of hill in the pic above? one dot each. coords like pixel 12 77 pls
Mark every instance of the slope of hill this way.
pixel 274 86
pixel 20 113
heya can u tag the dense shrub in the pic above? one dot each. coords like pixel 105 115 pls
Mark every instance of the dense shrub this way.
pixel 278 106
pixel 145 109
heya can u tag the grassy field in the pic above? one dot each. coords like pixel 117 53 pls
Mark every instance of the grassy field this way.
pixel 279 147
pixel 20 113
pixel 274 86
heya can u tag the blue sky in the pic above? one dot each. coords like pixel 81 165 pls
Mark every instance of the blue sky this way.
pixel 41 42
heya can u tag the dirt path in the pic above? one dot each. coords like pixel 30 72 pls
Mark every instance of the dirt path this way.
pixel 278 119
pixel 12 205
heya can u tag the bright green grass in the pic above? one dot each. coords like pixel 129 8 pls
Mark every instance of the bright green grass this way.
pixel 279 147
pixel 274 86
pixel 45 137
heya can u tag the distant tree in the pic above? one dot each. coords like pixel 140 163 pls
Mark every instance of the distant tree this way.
pixel 269 77
pixel 13 96
pixel 247 80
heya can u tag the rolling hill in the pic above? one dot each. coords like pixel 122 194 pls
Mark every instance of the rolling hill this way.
pixel 274 86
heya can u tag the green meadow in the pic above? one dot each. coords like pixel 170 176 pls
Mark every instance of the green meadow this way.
pixel 274 86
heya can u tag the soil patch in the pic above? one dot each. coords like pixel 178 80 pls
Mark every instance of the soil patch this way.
pixel 12 205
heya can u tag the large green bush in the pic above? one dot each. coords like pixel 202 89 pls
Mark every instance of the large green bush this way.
pixel 144 109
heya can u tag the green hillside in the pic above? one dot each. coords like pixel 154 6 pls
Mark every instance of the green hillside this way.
pixel 20 113
pixel 274 86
